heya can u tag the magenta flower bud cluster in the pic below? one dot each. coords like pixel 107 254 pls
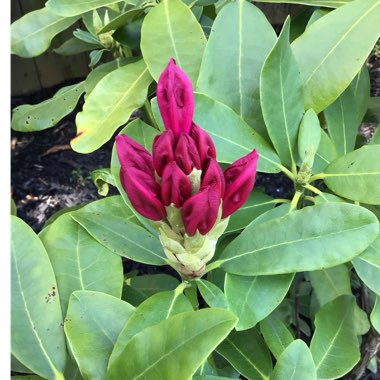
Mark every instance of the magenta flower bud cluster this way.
pixel 182 174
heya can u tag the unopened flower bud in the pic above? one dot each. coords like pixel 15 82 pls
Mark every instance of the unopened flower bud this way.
pixel 175 186
pixel 213 176
pixel 132 154
pixel 143 192
pixel 175 99
pixel 163 151
pixel 205 145
pixel 201 211
pixel 186 154
pixel 240 179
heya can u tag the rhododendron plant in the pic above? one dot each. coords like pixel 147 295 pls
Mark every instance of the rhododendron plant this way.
pixel 181 186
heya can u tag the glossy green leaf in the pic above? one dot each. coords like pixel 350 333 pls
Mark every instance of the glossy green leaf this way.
pixel 326 153
pixel 31 35
pixel 122 237
pixel 153 283
pixel 74 7
pixel 282 98
pixel 213 295
pixel 245 293
pixel 144 135
pixel 121 20
pixel 276 334
pixel 152 311
pixel 247 352
pixel 79 261
pixel 314 3
pixel 110 105
pixel 309 137
pixel 102 178
pixel 37 338
pixel 257 203
pixel 172 26
pixel 170 354
pixel 375 315
pixel 74 46
pixel 233 138
pixel 347 35
pixel 241 37
pixel 13 207
pixel 28 377
pixel 100 72
pixel 344 116
pixel 367 266
pixel 295 363
pixel 274 213
pixel 330 283
pixel 37 117
pixel 335 346
pixel 310 239
pixel 356 175
pixel 375 139
pixel 156 114
pixel 130 35
pixel 210 377
pixel 93 323
pixel 319 13
pixel 17 366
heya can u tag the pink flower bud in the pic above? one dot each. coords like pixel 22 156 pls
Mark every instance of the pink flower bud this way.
pixel 163 151
pixel 175 186
pixel 175 99
pixel 132 154
pixel 143 192
pixel 201 211
pixel 240 179
pixel 186 154
pixel 213 176
pixel 205 145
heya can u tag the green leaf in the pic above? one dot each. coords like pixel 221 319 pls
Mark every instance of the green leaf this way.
pixel 122 237
pixel 152 311
pixel 74 46
pixel 157 114
pixel 347 35
pixel 233 138
pixel 79 261
pixel 31 35
pixel 295 363
pixel 244 293
pixel 37 338
pixel 17 366
pixel 153 283
pixel 86 36
pixel 166 350
pixel 257 203
pixel 356 175
pixel 344 116
pixel 326 153
pixel 37 117
pixel 314 3
pixel 100 72
pixel 209 377
pixel 13 207
pixel 274 213
pixel 102 178
pixel 121 20
pixel 247 352
pixel 282 98
pixel 144 135
pixel 213 295
pixel 375 315
pixel 276 334
pixel 330 283
pixel 28 377
pixel 130 35
pixel 74 7
pixel 335 346
pixel 95 57
pixel 241 37
pixel 309 137
pixel 110 104
pixel 367 266
pixel 172 26
pixel 310 239
pixel 92 325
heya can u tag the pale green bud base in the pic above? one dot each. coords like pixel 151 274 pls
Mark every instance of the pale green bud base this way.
pixel 188 254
